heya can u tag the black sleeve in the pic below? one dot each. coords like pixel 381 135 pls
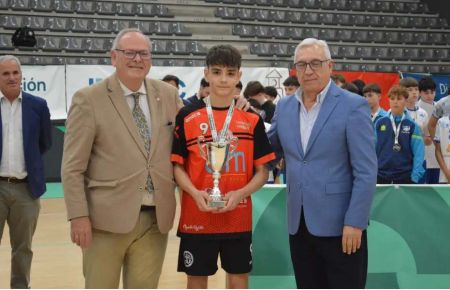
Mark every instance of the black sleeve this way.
pixel 179 148
pixel 262 149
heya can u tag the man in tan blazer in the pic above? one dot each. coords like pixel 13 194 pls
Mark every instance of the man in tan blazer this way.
pixel 116 171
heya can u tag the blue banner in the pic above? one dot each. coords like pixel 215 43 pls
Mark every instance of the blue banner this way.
pixel 442 82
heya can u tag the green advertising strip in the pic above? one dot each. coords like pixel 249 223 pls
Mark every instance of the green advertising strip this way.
pixel 408 237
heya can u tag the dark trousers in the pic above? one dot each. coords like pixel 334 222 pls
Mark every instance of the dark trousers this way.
pixel 381 180
pixel 432 176
pixel 320 263
pixel 20 210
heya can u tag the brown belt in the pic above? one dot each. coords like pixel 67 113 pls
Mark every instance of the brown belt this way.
pixel 147 207
pixel 13 179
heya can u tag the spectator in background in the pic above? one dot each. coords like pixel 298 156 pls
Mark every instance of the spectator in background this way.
pixel 338 79
pixel 416 113
pixel 441 109
pixel 372 93
pixel 399 144
pixel 271 93
pixel 26 136
pixel 427 92
pixel 291 85
pixel 360 84
pixel 238 89
pixel 351 88
pixel 442 139
pixel 256 107
pixel 203 92
pixel 255 90
pixel 173 80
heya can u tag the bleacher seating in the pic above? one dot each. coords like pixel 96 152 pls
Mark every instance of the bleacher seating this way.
pixel 363 34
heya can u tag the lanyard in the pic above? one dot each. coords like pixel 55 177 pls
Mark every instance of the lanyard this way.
pixel 396 128
pixel 374 116
pixel 212 124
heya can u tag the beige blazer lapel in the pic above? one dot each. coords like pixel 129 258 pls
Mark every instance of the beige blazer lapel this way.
pixel 153 98
pixel 115 93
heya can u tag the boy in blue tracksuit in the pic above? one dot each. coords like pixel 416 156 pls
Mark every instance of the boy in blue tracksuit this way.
pixel 399 143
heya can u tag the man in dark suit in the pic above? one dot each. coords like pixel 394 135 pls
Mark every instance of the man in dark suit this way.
pixel 26 135
pixel 328 142
pixel 203 92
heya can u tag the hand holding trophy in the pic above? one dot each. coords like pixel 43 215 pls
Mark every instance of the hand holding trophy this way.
pixel 217 153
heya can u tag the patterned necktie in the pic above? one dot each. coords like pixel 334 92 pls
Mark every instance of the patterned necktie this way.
pixel 144 131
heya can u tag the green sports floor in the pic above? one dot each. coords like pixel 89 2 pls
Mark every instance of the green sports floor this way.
pixel 54 190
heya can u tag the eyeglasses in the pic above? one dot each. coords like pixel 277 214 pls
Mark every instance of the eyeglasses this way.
pixel 314 64
pixel 131 54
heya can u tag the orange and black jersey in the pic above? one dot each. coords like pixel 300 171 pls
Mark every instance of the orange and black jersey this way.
pixel 253 149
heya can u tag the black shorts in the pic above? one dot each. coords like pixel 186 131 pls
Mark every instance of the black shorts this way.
pixel 198 256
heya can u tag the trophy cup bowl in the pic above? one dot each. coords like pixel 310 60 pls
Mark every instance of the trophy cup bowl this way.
pixel 216 154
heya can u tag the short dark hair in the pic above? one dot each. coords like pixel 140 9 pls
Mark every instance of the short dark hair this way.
pixel 338 77
pixel 372 88
pixel 168 78
pixel 252 89
pixel 204 83
pixel 360 84
pixel 291 81
pixel 427 83
pixel 409 82
pixel 239 85
pixel 271 91
pixel 224 55
pixel 255 104
pixel 398 90
pixel 351 87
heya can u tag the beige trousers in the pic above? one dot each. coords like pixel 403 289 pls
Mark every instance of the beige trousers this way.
pixel 21 211
pixel 139 254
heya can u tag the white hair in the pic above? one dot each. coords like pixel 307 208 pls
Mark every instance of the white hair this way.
pixel 311 42
pixel 8 57
pixel 115 44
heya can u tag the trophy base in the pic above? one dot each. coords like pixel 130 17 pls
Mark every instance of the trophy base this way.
pixel 216 203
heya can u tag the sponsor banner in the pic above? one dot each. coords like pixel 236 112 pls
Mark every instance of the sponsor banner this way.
pixel 47 82
pixel 384 80
pixel 59 83
pixel 442 82
pixel 80 76
pixel 407 248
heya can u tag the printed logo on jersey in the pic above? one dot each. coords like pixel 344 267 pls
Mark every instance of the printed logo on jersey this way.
pixel 239 164
pixel 188 259
pixel 192 117
pixel 193 227
pixel 243 125
pixel 383 128
pixel 406 129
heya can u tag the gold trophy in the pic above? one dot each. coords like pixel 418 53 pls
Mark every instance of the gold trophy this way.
pixel 217 154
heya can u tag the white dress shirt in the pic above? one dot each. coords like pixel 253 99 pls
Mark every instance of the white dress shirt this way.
pixel 308 118
pixel 147 198
pixel 13 160
pixel 143 103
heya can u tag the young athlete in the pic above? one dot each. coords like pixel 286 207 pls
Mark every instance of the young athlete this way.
pixel 399 143
pixel 207 232
pixel 442 140
pixel 372 93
